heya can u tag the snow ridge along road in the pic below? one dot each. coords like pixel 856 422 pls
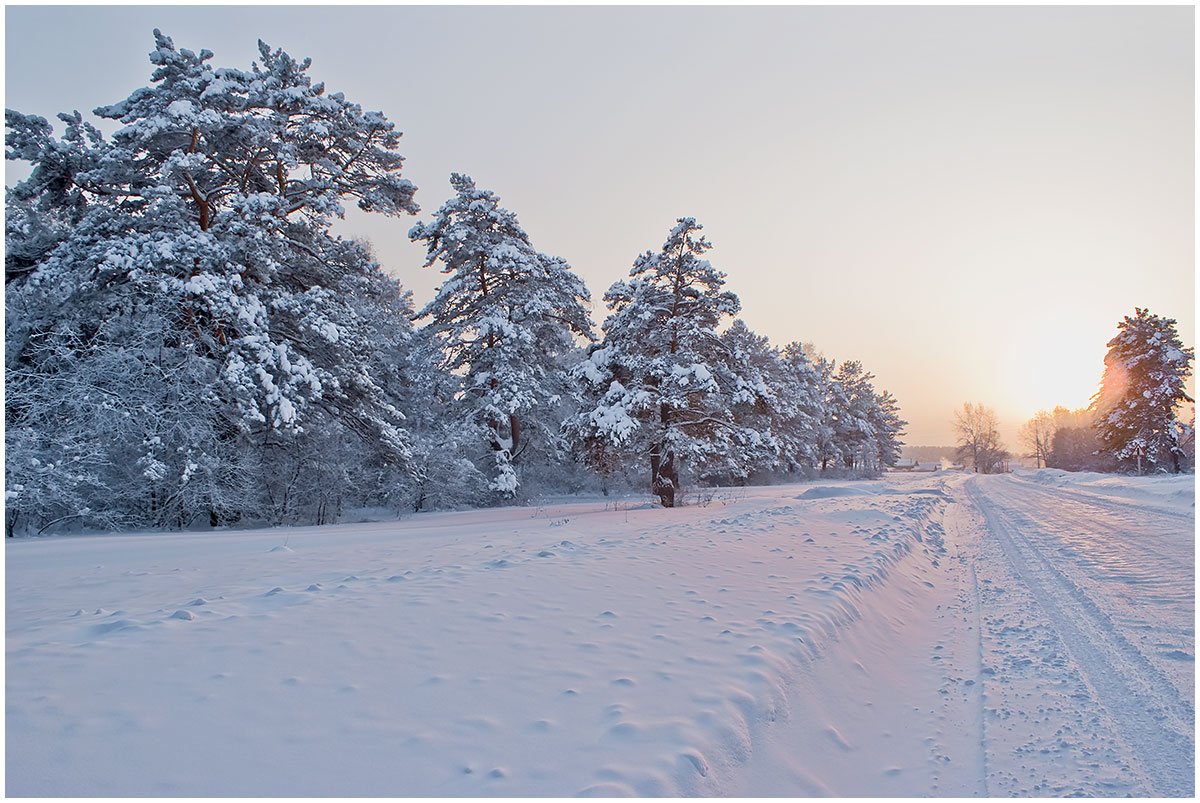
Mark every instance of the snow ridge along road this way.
pixel 1112 589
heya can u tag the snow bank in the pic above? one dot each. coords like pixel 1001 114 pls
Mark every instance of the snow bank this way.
pixel 558 651
pixel 1174 492
pixel 833 491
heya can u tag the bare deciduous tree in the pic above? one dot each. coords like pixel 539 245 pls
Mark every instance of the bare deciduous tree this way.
pixel 1036 435
pixel 978 438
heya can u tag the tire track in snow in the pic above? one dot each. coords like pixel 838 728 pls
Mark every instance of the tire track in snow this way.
pixel 978 667
pixel 1109 521
pixel 1143 705
pixel 957 526
pixel 1144 584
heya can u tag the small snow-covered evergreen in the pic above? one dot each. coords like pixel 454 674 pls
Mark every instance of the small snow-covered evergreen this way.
pixel 1145 372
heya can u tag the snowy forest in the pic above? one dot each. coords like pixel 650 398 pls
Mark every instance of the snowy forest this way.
pixel 190 343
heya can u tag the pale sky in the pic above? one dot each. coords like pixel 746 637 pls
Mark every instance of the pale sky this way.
pixel 967 199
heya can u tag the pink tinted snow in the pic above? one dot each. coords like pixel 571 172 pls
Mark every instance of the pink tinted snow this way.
pixel 835 638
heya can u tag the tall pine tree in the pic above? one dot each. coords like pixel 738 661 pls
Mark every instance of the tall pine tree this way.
pixel 504 319
pixel 663 378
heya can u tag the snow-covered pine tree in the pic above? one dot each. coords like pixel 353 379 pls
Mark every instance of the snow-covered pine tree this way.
pixel 661 374
pixel 504 318
pixel 178 306
pixel 752 370
pixel 42 210
pixel 833 405
pixel 888 426
pixel 444 471
pixel 800 391
pixel 853 399
pixel 1136 408
pixel 866 425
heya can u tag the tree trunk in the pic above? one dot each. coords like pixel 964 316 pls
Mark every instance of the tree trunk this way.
pixel 664 476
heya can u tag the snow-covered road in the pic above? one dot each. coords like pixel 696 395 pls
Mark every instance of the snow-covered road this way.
pixel 920 635
pixel 1088 626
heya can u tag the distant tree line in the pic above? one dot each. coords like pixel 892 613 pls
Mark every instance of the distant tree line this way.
pixel 188 342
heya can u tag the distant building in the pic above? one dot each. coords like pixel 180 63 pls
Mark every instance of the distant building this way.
pixel 916 465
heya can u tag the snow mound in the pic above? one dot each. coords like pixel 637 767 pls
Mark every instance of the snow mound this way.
pixel 834 491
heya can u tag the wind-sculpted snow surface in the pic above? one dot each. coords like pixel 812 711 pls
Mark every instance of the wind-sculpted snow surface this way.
pixel 867 638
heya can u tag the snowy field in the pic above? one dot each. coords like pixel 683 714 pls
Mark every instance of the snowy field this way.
pixel 931 634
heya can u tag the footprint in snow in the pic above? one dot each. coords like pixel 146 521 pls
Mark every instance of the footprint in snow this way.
pixel 117 626
pixel 695 760
pixel 607 789
pixel 281 548
pixel 1178 655
pixel 274 591
pixel 837 738
pixel 481 724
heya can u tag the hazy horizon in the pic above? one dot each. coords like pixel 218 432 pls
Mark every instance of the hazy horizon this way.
pixel 966 200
